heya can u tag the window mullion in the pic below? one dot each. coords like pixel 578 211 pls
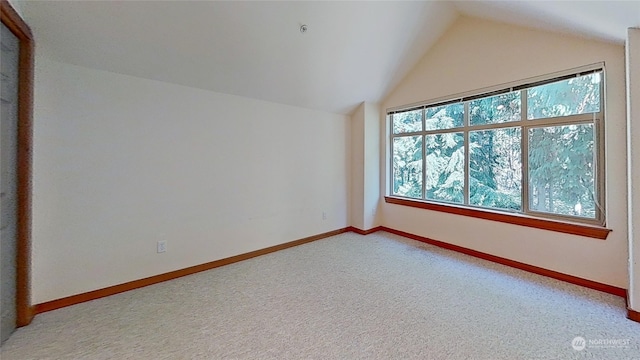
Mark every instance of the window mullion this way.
pixel 424 154
pixel 467 176
pixel 599 158
pixel 413 133
pixel 599 173
pixel 563 120
pixel 502 125
pixel 442 131
pixel 391 156
pixel 424 167
pixel 524 152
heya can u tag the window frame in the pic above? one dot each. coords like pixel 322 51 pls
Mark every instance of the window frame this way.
pixel 526 215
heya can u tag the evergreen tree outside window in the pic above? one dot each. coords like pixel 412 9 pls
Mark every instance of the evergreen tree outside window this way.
pixel 533 149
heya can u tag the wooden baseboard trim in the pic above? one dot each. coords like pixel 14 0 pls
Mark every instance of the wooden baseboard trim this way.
pixel 515 264
pixel 116 289
pixel 364 232
pixel 633 315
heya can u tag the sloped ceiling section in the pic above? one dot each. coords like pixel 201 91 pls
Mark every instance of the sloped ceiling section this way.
pixel 601 20
pixel 352 51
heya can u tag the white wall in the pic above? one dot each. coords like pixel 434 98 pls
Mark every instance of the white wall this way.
pixel 122 162
pixel 365 166
pixel 371 184
pixel 632 49
pixel 357 168
pixel 17 6
pixel 475 54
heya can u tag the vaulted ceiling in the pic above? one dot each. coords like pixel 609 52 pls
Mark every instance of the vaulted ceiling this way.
pixel 351 51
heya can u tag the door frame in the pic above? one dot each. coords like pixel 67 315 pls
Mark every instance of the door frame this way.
pixel 12 20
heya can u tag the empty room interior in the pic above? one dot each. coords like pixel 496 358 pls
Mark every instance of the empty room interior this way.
pixel 320 179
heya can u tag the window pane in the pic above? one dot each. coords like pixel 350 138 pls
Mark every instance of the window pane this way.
pixel 578 95
pixel 407 166
pixel 445 167
pixel 408 121
pixel 496 109
pixel 561 170
pixel 495 168
pixel 444 117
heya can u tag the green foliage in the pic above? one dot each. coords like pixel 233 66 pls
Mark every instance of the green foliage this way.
pixel 495 168
pixel 578 95
pixel 444 117
pixel 561 158
pixel 408 121
pixel 445 167
pixel 561 170
pixel 407 166
pixel 497 109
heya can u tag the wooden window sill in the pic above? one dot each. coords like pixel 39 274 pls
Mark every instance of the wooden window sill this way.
pixel 591 231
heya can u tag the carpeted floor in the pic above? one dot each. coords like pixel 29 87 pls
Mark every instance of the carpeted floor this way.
pixel 347 297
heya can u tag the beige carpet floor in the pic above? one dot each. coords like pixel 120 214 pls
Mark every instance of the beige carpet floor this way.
pixel 347 297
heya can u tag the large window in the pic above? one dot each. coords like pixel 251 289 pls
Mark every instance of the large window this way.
pixel 534 149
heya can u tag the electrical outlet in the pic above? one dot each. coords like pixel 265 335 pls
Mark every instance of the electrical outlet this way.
pixel 162 246
pixel 324 215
